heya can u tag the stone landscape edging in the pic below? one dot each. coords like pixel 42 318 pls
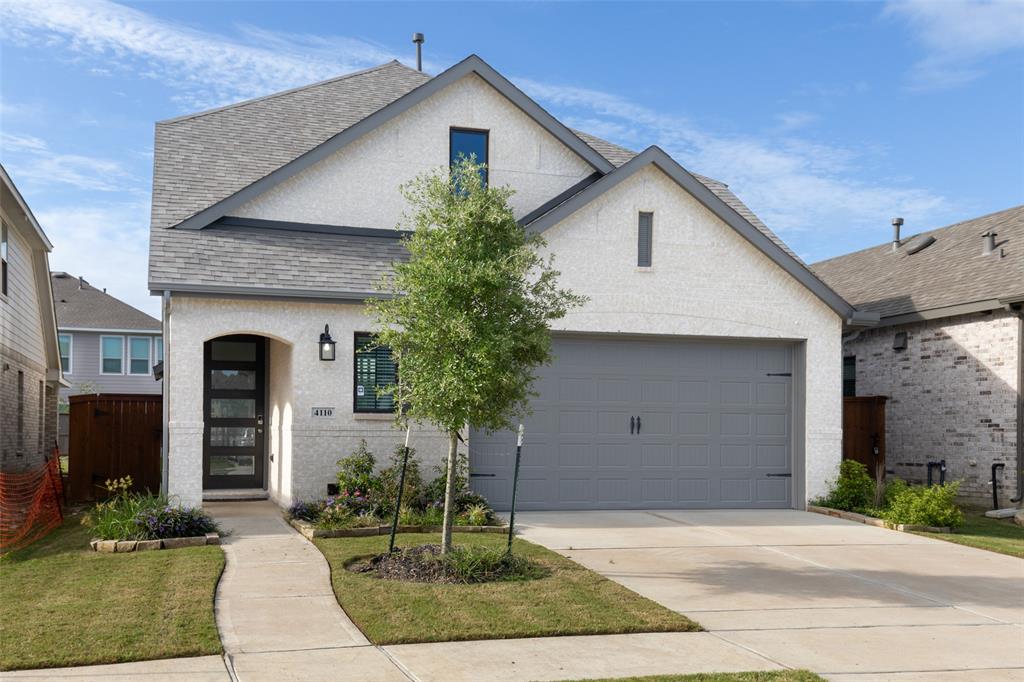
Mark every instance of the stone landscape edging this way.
pixel 310 531
pixel 872 521
pixel 124 546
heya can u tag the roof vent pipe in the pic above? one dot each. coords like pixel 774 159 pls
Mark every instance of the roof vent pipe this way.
pixel 418 39
pixel 81 282
pixel 989 243
pixel 897 223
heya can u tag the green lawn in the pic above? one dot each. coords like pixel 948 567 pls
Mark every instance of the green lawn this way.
pixel 766 676
pixel 62 604
pixel 995 535
pixel 570 600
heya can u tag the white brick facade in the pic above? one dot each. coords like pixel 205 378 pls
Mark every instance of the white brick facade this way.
pixel 952 395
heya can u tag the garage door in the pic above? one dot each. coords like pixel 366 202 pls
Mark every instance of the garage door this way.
pixel 635 424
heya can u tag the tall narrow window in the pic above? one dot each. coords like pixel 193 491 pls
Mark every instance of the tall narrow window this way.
pixel 849 376
pixel 64 341
pixel 469 144
pixel 111 355
pixel 3 257
pixel 645 234
pixel 138 355
pixel 158 349
pixel 374 368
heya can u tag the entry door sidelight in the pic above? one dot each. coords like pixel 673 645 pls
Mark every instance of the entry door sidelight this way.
pixel 234 412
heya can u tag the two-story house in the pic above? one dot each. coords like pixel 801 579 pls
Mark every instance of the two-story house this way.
pixel 106 345
pixel 29 359
pixel 703 372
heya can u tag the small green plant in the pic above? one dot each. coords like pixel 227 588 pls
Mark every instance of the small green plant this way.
pixel 478 515
pixel 477 564
pixel 386 488
pixel 355 472
pixel 923 505
pixel 853 490
pixel 335 517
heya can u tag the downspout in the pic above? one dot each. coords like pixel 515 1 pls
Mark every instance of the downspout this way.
pixel 164 445
pixel 1020 407
pixel 1016 309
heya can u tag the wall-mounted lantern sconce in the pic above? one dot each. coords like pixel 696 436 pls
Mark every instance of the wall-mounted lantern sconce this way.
pixel 327 345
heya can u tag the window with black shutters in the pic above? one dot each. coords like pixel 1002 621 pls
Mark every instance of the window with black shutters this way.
pixel 374 368
pixel 645 234
pixel 849 377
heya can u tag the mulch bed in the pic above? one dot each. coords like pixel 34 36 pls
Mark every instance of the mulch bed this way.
pixel 423 564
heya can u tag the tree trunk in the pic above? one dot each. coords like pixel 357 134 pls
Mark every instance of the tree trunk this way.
pixel 449 493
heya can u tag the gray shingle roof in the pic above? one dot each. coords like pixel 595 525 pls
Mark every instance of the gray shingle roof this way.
pixel 206 157
pixel 80 305
pixel 952 271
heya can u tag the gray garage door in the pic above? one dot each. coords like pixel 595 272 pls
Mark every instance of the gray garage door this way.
pixel 634 424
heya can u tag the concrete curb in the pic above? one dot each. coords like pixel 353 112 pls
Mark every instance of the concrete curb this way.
pixel 872 521
pixel 310 531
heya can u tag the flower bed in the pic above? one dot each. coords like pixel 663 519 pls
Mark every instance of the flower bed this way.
pixel 365 503
pixel 128 522
pixel 310 530
pixel 855 496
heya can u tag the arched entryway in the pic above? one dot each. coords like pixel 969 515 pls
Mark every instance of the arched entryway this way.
pixel 234 412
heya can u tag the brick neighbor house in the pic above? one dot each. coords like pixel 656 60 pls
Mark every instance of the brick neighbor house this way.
pixel 30 373
pixel 947 350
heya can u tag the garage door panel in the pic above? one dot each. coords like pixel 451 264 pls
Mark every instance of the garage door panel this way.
pixel 694 455
pixel 714 426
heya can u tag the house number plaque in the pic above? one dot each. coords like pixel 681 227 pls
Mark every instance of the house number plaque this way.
pixel 323 412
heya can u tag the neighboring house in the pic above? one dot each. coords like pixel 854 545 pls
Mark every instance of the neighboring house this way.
pixel 947 351
pixel 106 345
pixel 704 371
pixel 29 360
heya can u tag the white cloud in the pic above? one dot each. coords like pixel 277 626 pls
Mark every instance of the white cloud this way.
pixel 791 120
pixel 207 69
pixel 794 184
pixel 108 244
pixel 38 164
pixel 958 37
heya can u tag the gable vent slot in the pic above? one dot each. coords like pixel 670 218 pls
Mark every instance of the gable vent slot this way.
pixel 644 238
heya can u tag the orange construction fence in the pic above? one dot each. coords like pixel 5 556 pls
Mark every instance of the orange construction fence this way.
pixel 30 504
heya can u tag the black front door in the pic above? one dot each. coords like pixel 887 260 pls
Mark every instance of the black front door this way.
pixel 233 412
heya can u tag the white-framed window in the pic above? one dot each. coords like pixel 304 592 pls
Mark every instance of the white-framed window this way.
pixel 111 355
pixel 3 257
pixel 158 349
pixel 139 355
pixel 65 342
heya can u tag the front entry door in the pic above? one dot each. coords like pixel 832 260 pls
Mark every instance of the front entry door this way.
pixel 233 411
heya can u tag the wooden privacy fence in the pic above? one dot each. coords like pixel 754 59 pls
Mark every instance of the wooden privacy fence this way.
pixel 864 432
pixel 113 435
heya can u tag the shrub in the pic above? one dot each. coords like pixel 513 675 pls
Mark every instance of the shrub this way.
pixel 334 516
pixel 923 505
pixel 477 564
pixel 479 515
pixel 386 488
pixel 355 472
pixel 306 511
pixel 174 522
pixel 853 490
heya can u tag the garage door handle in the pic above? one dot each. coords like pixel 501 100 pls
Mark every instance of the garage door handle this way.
pixel 632 425
pixel 779 475
pixel 482 475
pixel 638 424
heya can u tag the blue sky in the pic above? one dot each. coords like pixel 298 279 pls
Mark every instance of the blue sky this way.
pixel 826 118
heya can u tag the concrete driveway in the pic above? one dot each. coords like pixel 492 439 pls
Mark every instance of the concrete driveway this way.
pixel 848 601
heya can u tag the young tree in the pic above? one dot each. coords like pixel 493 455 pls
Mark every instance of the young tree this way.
pixel 468 317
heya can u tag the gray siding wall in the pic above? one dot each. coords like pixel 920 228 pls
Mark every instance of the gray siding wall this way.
pixel 21 326
pixel 952 395
pixel 85 374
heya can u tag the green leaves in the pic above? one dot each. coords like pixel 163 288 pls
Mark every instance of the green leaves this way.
pixel 468 323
